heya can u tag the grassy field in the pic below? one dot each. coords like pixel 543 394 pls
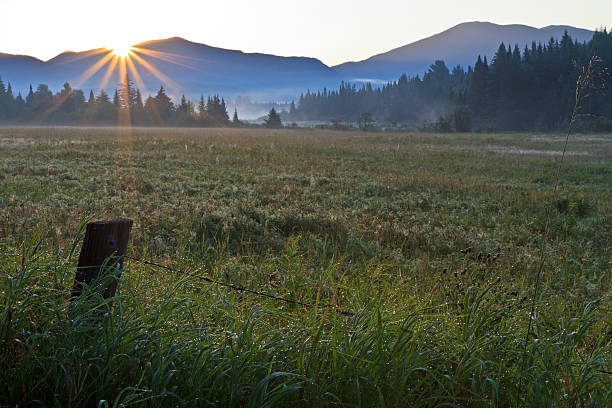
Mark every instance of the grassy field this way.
pixel 372 223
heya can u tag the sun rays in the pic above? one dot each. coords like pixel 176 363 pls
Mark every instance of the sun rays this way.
pixel 122 50
pixel 112 66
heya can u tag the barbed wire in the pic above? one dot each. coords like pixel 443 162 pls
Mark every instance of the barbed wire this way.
pixel 240 288
pixel 273 297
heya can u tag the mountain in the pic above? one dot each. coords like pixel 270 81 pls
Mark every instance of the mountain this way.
pixel 459 45
pixel 18 66
pixel 180 65
pixel 205 67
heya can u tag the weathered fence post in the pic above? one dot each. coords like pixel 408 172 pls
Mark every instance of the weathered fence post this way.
pixel 104 246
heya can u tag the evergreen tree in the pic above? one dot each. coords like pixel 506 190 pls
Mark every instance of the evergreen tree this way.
pixel 43 99
pixel 217 111
pixel 4 109
pixel 63 100
pixel 30 97
pixel 478 88
pixel 202 108
pixel 184 106
pixel 138 105
pixel 19 106
pixel 273 120
pixel 223 111
pixel 102 97
pixel 163 105
pixel 105 110
pixel 151 111
pixel 128 95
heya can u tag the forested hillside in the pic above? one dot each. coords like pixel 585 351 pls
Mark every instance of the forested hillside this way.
pixel 530 89
pixel 524 89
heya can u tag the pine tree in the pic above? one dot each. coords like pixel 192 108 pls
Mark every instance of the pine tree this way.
pixel 127 94
pixel 92 99
pixel 4 108
pixel 183 107
pixel 164 105
pixel 478 88
pixel 102 97
pixel 151 111
pixel 273 120
pixel 105 111
pixel 19 106
pixel 235 120
pixel 43 99
pixel 223 111
pixel 30 97
pixel 138 105
pixel 202 108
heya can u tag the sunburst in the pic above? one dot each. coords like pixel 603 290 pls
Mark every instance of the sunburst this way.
pixel 122 50
pixel 119 61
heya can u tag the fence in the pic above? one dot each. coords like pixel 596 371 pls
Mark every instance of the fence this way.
pixel 104 248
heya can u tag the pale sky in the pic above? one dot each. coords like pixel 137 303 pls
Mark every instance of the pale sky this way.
pixel 334 31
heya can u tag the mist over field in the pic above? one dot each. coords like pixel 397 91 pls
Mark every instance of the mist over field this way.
pixel 193 70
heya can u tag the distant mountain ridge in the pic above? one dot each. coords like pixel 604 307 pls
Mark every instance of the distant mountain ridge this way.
pixel 459 45
pixel 181 66
pixel 196 69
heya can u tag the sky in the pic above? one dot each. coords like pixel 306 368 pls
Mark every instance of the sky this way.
pixel 333 31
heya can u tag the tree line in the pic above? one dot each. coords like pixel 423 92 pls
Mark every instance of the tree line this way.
pixel 530 89
pixel 517 90
pixel 125 107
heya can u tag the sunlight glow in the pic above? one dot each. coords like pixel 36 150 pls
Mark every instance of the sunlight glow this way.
pixel 169 83
pixel 122 50
pixel 118 64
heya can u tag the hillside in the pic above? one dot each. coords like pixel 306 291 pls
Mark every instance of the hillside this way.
pixel 458 45
pixel 184 66
pixel 181 66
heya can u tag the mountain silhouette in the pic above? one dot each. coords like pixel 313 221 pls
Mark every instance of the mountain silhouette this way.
pixel 459 45
pixel 181 66
pixel 194 69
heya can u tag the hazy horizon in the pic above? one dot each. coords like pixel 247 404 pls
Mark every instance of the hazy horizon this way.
pixel 333 33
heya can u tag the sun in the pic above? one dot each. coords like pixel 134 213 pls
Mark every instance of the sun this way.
pixel 121 50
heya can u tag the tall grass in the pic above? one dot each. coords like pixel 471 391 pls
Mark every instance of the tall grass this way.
pixel 345 219
pixel 591 81
pixel 171 342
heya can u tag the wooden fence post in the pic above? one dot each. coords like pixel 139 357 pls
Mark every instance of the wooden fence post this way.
pixel 104 241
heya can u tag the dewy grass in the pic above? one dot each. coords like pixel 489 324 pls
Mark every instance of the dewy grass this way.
pixel 348 219
pixel 591 80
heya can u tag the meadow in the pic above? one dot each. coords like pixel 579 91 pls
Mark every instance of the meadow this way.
pixel 434 241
